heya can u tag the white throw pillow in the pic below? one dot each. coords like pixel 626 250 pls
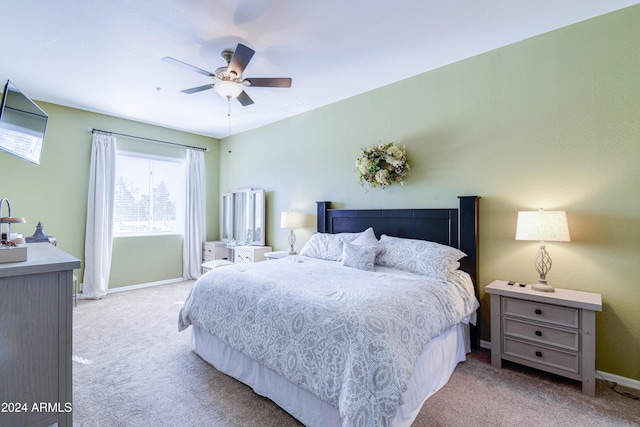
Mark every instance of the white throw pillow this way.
pixel 367 238
pixel 418 256
pixel 327 246
pixel 358 256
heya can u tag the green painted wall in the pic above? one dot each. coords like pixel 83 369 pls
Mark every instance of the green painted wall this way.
pixel 55 191
pixel 551 122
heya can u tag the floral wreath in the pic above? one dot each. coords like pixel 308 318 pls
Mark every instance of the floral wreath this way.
pixel 382 165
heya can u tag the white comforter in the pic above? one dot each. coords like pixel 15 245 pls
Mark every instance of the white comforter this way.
pixel 349 336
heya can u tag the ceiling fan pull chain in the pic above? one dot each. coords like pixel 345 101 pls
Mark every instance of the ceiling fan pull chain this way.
pixel 229 113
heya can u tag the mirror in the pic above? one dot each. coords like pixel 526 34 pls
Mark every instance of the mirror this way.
pixel 242 217
pixel 257 209
pixel 241 227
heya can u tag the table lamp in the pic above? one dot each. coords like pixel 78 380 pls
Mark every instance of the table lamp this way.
pixel 291 220
pixel 550 226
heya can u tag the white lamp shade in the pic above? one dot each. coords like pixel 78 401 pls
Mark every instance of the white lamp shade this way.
pixel 228 89
pixel 290 219
pixel 543 225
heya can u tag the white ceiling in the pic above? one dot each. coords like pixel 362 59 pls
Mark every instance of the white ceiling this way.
pixel 106 55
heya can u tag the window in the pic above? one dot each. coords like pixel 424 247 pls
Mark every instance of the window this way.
pixel 149 195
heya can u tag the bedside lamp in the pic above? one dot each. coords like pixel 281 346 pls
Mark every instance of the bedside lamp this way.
pixel 543 226
pixel 291 220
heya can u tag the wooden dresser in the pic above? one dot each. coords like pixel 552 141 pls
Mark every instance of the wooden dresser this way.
pixel 550 331
pixel 35 338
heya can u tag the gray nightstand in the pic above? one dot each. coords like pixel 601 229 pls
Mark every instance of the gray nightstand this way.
pixel 551 331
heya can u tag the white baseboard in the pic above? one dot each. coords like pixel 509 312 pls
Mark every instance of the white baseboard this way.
pixel 622 381
pixel 132 287
pixel 144 285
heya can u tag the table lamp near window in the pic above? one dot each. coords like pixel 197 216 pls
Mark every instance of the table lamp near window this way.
pixel 550 226
pixel 291 220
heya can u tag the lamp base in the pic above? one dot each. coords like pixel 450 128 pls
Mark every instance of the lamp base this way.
pixel 542 287
pixel 292 241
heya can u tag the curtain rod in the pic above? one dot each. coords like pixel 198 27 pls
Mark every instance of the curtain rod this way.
pixel 148 139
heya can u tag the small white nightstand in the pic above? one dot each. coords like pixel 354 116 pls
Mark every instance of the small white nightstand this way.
pixel 551 331
pixel 277 255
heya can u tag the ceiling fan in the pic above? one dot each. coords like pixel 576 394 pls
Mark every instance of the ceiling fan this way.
pixel 229 81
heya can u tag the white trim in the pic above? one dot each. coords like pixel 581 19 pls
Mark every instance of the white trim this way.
pixel 149 234
pixel 140 286
pixel 622 381
pixel 144 155
pixel 144 285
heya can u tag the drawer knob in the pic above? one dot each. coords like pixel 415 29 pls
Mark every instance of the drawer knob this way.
pixel 538 311
pixel 538 333
pixel 539 353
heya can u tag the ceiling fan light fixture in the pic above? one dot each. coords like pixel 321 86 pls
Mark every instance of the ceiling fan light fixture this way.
pixel 229 82
pixel 228 89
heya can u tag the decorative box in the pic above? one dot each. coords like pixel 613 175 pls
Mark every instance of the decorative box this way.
pixel 13 254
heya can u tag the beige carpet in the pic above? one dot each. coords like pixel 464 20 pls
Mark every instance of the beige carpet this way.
pixel 133 368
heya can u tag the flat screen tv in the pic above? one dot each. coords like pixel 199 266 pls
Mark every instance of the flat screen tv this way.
pixel 22 125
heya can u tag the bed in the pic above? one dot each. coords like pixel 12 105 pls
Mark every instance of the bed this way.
pixel 338 336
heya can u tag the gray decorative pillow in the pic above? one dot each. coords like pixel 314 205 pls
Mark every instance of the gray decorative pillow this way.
pixel 357 256
pixel 327 246
pixel 418 256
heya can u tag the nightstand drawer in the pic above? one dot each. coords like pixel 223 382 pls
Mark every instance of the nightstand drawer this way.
pixel 557 315
pixel 214 250
pixel 209 249
pixel 567 339
pixel 559 359
pixel 243 257
pixel 250 254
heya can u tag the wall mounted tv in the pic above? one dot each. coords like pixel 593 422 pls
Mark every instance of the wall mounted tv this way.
pixel 22 125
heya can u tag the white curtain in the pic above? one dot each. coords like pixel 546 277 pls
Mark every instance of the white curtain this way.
pixel 195 219
pixel 99 232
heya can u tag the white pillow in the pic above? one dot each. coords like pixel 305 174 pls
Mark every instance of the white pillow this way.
pixel 367 238
pixel 418 256
pixel 327 246
pixel 358 256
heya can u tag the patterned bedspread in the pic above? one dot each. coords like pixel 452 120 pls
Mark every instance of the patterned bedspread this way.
pixel 349 336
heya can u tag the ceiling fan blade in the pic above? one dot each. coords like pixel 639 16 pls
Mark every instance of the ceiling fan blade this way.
pixel 269 82
pixel 197 89
pixel 241 57
pixel 244 99
pixel 187 66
